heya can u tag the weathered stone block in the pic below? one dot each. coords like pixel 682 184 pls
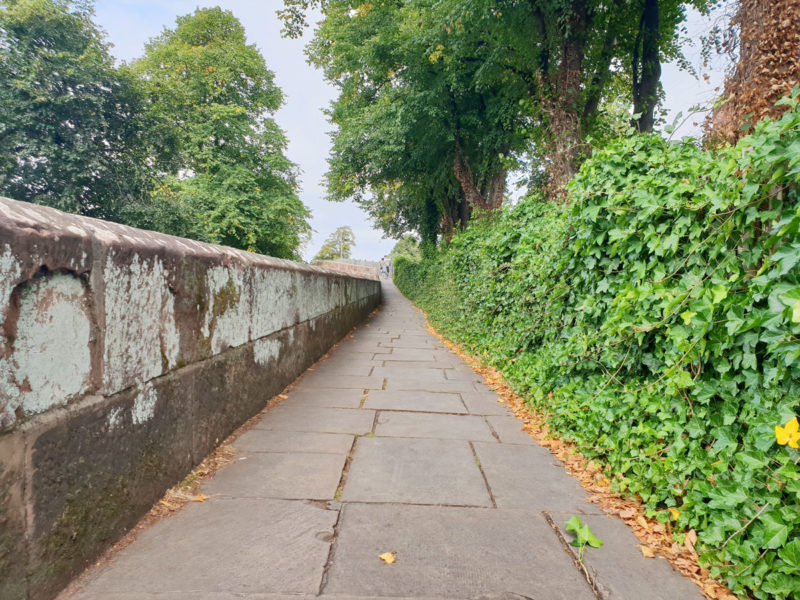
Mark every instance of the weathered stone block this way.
pixel 13 549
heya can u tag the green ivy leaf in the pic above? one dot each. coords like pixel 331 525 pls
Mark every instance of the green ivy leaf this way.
pixel 775 530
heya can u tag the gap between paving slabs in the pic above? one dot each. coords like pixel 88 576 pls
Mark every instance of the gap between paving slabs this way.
pixel 652 534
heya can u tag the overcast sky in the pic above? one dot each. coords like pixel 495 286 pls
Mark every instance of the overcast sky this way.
pixel 130 23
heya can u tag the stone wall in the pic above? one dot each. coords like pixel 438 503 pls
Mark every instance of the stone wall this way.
pixel 356 268
pixel 126 356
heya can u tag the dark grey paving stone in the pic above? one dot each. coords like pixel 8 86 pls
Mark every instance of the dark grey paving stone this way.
pixel 409 383
pixel 401 354
pixel 325 397
pixel 464 553
pixel 433 425
pixel 510 430
pixel 530 478
pixel 261 440
pixel 321 420
pixel 415 401
pixel 419 343
pixel 292 476
pixel 479 403
pixel 224 546
pixel 429 375
pixel 413 365
pixel 343 368
pixel 327 380
pixel 415 471
pixel 458 375
pixel 343 352
pixel 619 568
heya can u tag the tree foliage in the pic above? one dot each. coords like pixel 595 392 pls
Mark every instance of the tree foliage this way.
pixel 339 244
pixel 181 141
pixel 406 247
pixel 219 155
pixel 439 99
pixel 69 121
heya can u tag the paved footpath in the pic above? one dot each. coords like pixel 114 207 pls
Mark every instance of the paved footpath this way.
pixel 392 444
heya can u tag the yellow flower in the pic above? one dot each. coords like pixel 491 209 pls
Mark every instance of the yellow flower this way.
pixel 674 512
pixel 789 433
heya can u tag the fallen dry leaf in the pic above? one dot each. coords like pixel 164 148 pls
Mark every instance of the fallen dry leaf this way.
pixel 387 557
pixel 647 551
pixel 691 539
pixel 199 498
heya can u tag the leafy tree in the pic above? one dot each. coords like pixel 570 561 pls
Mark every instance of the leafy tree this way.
pixel 416 145
pixel 439 98
pixel 407 247
pixel 218 153
pixel 338 245
pixel 69 121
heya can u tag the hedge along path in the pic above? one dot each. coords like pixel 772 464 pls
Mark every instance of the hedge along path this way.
pixel 656 537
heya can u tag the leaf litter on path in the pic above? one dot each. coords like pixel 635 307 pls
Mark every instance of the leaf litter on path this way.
pixel 594 478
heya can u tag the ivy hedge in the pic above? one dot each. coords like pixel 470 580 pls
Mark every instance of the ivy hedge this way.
pixel 656 321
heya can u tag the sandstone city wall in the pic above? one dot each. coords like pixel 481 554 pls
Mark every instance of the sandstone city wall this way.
pixel 126 356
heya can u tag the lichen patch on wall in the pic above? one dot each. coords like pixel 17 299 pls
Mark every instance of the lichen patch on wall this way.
pixel 144 405
pixel 140 328
pixel 9 275
pixel 52 355
pixel 227 318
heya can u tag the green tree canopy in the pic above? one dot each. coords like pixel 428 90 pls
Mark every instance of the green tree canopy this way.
pixel 339 244
pixel 69 121
pixel 439 98
pixel 218 153
pixel 407 247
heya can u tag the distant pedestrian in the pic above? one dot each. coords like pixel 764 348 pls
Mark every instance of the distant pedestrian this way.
pixel 384 268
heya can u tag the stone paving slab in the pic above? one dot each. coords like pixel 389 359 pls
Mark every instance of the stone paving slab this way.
pixel 260 440
pixel 510 430
pixel 321 420
pixel 456 375
pixel 326 397
pixel 434 426
pixel 528 477
pixel 324 380
pixel 457 552
pixel 413 365
pixel 415 343
pixel 637 579
pixel 414 375
pixel 415 401
pixel 291 476
pixel 478 404
pixel 409 383
pixel 225 546
pixel 415 471
pixel 400 354
pixel 344 368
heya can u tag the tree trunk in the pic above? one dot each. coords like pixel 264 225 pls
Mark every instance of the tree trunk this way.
pixel 768 67
pixel 485 195
pixel 645 89
pixel 565 103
